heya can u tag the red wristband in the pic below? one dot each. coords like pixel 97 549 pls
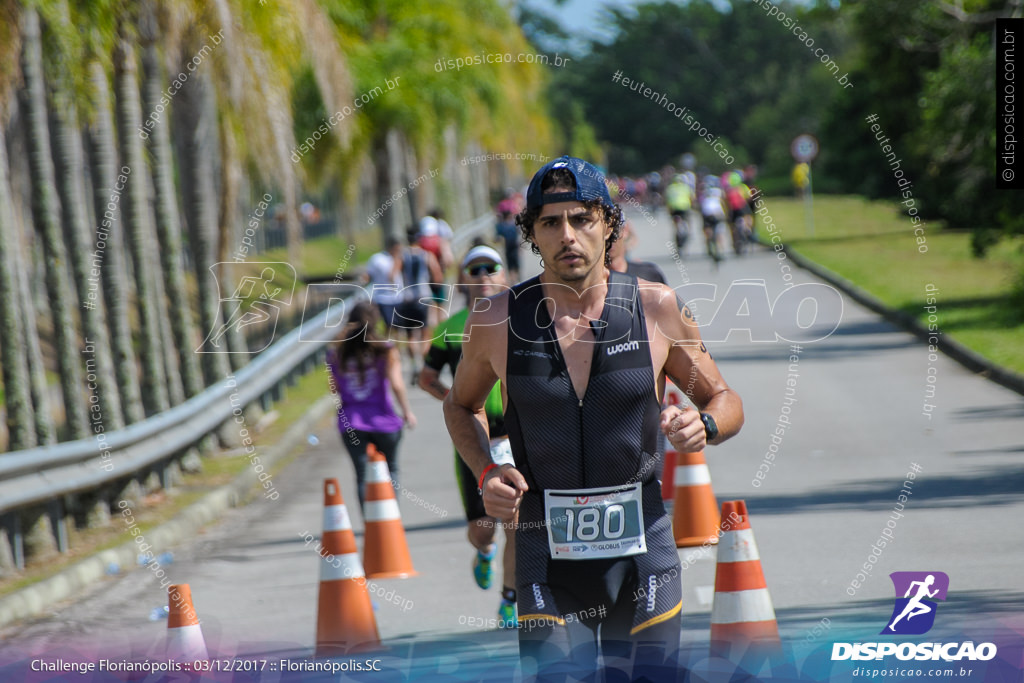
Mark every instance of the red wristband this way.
pixel 484 474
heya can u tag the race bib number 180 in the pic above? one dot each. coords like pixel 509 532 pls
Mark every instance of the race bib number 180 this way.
pixel 588 524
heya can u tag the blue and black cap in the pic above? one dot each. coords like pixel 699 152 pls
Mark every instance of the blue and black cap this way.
pixel 590 184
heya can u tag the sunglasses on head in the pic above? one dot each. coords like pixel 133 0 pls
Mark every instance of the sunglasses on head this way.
pixel 482 269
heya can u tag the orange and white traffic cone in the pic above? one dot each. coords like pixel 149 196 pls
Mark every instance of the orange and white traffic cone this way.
pixel 668 472
pixel 742 612
pixel 385 551
pixel 344 616
pixel 694 511
pixel 184 636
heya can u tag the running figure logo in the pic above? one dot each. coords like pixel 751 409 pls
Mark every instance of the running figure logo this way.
pixel 255 299
pixel 914 613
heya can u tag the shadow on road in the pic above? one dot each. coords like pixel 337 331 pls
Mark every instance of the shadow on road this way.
pixel 987 487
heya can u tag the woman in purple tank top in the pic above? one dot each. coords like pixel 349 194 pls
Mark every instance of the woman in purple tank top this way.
pixel 365 372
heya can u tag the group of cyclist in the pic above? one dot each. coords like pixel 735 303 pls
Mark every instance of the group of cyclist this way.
pixel 721 205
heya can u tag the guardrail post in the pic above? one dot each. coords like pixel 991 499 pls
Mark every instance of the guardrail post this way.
pixel 207 445
pixel 59 523
pixel 191 462
pixel 18 541
pixel 152 482
pixel 39 541
pixel 170 474
pixel 253 414
pixel 228 434
pixel 131 493
pixel 12 551
pixel 95 508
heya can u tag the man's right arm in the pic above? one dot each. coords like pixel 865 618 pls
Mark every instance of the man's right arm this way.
pixel 464 409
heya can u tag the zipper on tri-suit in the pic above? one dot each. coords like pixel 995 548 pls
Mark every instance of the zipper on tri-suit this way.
pixel 583 468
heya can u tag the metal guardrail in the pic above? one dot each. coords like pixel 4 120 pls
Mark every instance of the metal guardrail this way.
pixel 40 474
pixel 47 475
pixel 477 227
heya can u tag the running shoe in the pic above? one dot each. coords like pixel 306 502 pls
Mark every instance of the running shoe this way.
pixel 507 614
pixel 483 568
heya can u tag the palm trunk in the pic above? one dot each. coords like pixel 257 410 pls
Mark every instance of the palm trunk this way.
pixel 230 174
pixel 193 113
pixel 168 222
pixel 17 398
pixel 382 168
pixel 411 173
pixel 137 225
pixel 46 215
pixel 292 225
pixel 106 190
pixel 46 431
pixel 86 261
pixel 175 388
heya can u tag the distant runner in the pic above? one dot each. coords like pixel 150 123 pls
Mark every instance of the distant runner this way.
pixel 505 229
pixel 645 270
pixel 583 424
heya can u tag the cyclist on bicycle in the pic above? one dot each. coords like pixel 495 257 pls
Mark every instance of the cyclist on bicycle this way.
pixel 679 201
pixel 737 196
pixel 713 211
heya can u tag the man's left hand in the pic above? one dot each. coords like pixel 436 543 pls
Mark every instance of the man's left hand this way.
pixel 684 429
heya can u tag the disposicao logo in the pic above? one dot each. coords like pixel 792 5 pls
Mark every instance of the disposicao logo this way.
pixel 918 590
pixel 914 614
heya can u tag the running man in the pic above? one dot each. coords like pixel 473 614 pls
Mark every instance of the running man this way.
pixel 583 425
pixel 915 606
pixel 482 276
pixel 419 268
pixel 645 270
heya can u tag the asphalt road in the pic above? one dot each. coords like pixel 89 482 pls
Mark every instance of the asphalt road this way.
pixel 857 426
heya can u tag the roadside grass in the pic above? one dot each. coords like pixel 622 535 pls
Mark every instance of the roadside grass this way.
pixel 872 244
pixel 323 257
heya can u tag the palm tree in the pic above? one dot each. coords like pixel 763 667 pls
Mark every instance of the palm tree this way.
pixel 17 398
pixel 230 179
pixel 251 118
pixel 45 212
pixel 46 430
pixel 86 254
pixel 193 109
pixel 137 220
pixel 15 370
pixel 175 388
pixel 105 183
pixel 491 103
pixel 273 40
pixel 168 222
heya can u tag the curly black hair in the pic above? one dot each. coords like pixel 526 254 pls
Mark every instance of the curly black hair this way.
pixel 562 179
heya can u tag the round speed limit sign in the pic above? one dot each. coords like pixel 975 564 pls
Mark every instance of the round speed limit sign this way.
pixel 804 148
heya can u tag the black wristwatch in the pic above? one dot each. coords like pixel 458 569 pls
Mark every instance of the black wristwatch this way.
pixel 710 428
